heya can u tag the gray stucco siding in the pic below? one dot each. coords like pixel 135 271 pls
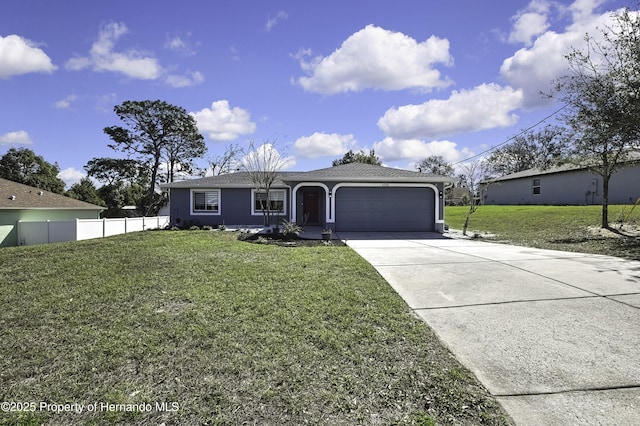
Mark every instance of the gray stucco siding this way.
pixel 578 187
pixel 235 208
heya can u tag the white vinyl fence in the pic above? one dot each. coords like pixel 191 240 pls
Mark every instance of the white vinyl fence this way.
pixel 55 231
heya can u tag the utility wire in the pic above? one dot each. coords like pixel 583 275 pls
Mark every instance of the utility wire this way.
pixel 513 137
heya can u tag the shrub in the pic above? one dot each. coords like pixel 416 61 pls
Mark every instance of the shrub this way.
pixel 290 229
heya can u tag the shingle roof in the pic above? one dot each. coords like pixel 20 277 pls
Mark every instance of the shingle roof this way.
pixel 234 180
pixel 371 172
pixel 352 172
pixel 15 195
pixel 536 172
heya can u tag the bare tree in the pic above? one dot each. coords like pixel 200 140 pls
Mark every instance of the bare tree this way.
pixel 227 162
pixel 471 176
pixel 263 163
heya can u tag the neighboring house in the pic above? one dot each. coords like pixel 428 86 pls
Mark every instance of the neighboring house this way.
pixel 23 202
pixel 349 197
pixel 563 186
pixel 458 196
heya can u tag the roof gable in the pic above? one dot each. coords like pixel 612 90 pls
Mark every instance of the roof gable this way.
pixel 14 195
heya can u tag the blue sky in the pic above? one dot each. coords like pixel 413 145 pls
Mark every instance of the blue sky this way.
pixel 409 78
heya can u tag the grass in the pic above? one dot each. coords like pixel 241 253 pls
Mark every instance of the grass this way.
pixel 569 228
pixel 224 332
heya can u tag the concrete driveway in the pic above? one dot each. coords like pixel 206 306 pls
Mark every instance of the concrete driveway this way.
pixel 554 336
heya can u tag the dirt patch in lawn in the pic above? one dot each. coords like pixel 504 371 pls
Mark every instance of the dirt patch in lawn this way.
pixel 627 230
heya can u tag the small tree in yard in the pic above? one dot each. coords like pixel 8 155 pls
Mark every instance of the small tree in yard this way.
pixel 602 92
pixel 263 163
pixel 471 176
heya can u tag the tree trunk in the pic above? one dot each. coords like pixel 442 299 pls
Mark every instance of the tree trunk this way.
pixel 466 224
pixel 152 185
pixel 605 201
pixel 466 219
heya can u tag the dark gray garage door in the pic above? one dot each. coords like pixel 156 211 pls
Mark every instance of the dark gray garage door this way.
pixel 384 209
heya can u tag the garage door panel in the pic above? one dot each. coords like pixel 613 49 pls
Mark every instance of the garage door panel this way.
pixel 384 209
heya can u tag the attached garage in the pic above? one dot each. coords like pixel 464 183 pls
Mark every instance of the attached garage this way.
pixel 386 208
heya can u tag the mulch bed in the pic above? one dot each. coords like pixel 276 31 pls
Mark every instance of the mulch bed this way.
pixel 285 240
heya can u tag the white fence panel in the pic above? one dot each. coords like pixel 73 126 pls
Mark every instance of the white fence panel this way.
pixel 114 226
pixel 89 228
pixel 135 224
pixel 43 232
pixel 156 222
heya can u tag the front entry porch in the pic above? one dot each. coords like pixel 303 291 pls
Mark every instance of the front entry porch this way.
pixel 310 205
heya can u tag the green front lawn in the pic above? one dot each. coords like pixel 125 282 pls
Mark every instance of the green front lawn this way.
pixel 221 331
pixel 570 228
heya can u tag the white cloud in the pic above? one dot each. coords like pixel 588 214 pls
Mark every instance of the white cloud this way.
pixel 268 154
pixel 102 56
pixel 272 21
pixel 484 107
pixel 391 149
pixel 71 176
pixel 533 69
pixel 235 52
pixel 221 123
pixel 181 44
pixel 21 56
pixel 323 144
pixel 186 80
pixel 20 137
pixel 177 44
pixel 66 102
pixel 530 22
pixel 379 59
pixel 582 10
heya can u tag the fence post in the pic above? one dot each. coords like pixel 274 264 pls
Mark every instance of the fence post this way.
pixel 125 225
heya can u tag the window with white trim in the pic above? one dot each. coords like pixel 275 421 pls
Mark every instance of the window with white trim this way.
pixel 536 186
pixel 276 201
pixel 205 201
